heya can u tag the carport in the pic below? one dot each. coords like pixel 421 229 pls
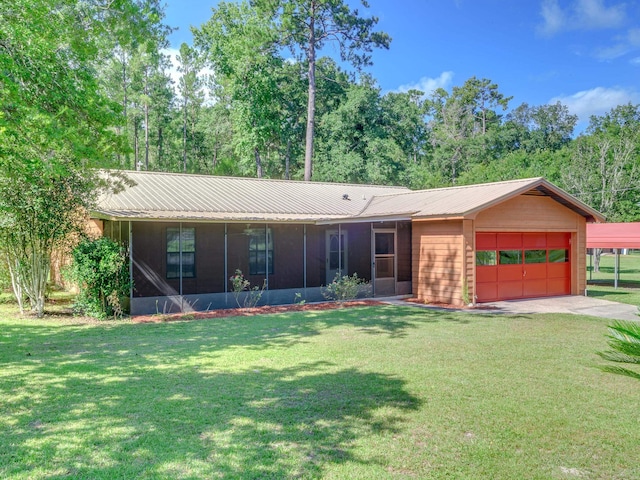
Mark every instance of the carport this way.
pixel 615 236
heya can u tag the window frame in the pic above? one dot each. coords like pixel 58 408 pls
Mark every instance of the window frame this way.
pixel 260 258
pixel 176 257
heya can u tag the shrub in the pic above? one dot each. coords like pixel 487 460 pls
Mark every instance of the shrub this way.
pixel 100 269
pixel 241 289
pixel 624 341
pixel 344 288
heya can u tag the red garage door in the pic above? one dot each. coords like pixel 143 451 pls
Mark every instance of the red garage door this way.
pixel 522 265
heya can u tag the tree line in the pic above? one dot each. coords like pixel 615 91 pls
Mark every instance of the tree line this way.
pixel 88 85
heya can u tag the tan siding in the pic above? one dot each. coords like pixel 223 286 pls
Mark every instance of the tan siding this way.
pixel 438 261
pixel 528 212
pixel 579 260
pixel 469 267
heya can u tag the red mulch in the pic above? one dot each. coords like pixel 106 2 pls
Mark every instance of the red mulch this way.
pixel 247 312
pixel 448 305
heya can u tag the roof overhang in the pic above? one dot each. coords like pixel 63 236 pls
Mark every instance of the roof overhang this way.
pixel 541 187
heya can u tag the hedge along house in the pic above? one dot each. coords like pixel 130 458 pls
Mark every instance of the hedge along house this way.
pixel 189 233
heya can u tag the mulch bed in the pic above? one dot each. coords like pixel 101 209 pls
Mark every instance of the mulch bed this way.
pixel 248 312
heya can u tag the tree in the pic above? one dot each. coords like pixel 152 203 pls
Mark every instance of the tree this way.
pixel 605 168
pixel 463 124
pixel 55 123
pixel 191 96
pixel 306 26
pixel 240 45
pixel 545 127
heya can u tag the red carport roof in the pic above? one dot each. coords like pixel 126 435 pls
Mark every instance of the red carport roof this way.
pixel 613 235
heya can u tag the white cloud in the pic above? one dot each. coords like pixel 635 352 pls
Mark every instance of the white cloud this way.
pixel 580 15
pixel 553 16
pixel 625 44
pixel 596 101
pixel 428 85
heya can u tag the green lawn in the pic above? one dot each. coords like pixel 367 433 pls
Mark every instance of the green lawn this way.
pixel 374 392
pixel 600 284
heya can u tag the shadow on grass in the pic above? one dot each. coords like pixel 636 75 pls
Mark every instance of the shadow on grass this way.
pixel 605 293
pixel 258 332
pixel 180 422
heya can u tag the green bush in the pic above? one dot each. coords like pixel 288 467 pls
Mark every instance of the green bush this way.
pixel 241 289
pixel 100 269
pixel 344 288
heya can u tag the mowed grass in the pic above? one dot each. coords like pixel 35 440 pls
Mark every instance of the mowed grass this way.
pixel 600 284
pixel 373 392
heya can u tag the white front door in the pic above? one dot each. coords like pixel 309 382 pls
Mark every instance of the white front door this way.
pixel 336 247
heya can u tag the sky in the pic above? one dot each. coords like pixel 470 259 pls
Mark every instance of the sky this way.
pixel 583 53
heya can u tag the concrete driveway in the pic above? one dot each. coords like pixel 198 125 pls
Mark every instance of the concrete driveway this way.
pixel 575 304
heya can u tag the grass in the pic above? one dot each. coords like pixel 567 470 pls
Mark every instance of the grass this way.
pixel 600 284
pixel 375 392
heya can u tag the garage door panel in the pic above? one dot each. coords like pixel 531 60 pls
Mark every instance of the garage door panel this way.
pixel 558 286
pixel 486 274
pixel 534 240
pixel 509 290
pixel 535 288
pixel 508 241
pixel 487 291
pixel 510 273
pixel 535 271
pixel 486 241
pixel 559 270
pixel 558 240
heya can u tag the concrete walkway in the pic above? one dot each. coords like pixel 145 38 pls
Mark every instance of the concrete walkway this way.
pixel 575 304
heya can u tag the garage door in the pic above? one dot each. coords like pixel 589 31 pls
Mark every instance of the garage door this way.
pixel 522 265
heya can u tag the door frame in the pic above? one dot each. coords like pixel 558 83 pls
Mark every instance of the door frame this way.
pixel 391 283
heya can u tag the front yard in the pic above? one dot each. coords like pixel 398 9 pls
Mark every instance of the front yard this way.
pixel 373 392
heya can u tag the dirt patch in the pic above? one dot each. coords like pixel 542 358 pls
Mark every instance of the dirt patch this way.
pixel 248 312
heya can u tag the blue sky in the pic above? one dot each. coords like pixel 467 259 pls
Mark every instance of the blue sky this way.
pixel 584 53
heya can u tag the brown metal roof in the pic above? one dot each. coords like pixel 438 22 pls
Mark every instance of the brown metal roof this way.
pixel 170 196
pixel 157 195
pixel 466 200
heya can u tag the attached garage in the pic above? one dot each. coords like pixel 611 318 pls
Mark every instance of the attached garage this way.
pixel 496 241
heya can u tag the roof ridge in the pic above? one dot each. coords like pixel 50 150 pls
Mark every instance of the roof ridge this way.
pixel 460 187
pixel 275 180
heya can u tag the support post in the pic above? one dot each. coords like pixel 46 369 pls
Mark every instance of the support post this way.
pixel 304 257
pixel 130 264
pixel 180 257
pixel 340 249
pixel 616 268
pixel 226 262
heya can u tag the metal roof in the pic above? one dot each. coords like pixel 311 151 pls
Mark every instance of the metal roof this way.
pixel 466 200
pixel 186 197
pixel 613 235
pixel 173 196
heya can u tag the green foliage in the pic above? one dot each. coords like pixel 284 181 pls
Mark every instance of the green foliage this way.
pixel 245 295
pixel 344 288
pixel 100 268
pixel 624 341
